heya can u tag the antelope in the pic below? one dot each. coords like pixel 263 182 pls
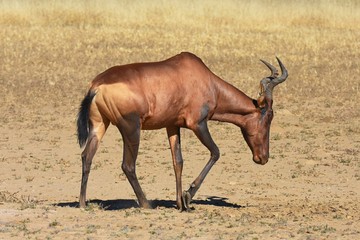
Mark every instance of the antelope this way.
pixel 180 92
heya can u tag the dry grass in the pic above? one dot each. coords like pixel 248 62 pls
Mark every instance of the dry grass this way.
pixel 44 40
pixel 24 201
pixel 51 50
pixel 272 13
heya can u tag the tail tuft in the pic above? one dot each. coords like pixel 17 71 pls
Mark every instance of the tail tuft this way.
pixel 83 124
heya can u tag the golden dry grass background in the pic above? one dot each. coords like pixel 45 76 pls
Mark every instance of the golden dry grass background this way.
pixel 51 50
pixel 54 48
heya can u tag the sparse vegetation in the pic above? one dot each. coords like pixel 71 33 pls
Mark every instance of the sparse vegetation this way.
pixel 54 223
pixel 24 201
pixel 93 206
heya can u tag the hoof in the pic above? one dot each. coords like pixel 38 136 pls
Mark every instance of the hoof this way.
pixel 146 205
pixel 186 199
pixel 82 205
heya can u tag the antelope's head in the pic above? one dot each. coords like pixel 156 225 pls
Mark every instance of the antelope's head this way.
pixel 257 129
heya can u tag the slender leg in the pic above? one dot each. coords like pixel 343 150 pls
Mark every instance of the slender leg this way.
pixel 174 140
pixel 202 132
pixel 87 157
pixel 131 138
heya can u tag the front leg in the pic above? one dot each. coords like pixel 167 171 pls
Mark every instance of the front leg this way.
pixel 174 141
pixel 202 132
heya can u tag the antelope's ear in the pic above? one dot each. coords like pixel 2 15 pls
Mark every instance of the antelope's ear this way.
pixel 261 101
pixel 261 97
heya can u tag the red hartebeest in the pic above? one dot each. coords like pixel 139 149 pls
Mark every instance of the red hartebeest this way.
pixel 178 92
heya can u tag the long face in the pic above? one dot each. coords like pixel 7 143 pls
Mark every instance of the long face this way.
pixel 256 129
pixel 256 133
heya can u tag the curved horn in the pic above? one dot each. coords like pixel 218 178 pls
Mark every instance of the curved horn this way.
pixel 268 84
pixel 274 71
pixel 284 72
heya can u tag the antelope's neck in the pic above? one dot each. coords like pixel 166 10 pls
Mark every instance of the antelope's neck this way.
pixel 233 106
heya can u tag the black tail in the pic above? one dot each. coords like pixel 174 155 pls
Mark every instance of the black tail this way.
pixel 83 124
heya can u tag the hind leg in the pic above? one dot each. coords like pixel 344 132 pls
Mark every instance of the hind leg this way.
pixel 130 131
pixel 96 134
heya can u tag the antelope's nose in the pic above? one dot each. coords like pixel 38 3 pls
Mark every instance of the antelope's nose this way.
pixel 260 159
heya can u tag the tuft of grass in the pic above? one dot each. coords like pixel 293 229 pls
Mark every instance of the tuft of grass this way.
pixel 8 197
pixel 323 229
pixel 29 178
pixel 91 228
pixel 54 223
pixel 92 207
pixel 24 201
pixel 28 202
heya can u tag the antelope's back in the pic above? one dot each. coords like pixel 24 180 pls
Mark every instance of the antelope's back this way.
pixel 170 92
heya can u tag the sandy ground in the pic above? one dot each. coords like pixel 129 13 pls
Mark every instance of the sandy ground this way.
pixel 308 190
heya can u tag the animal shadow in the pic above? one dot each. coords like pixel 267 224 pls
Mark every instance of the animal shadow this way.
pixel 119 204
